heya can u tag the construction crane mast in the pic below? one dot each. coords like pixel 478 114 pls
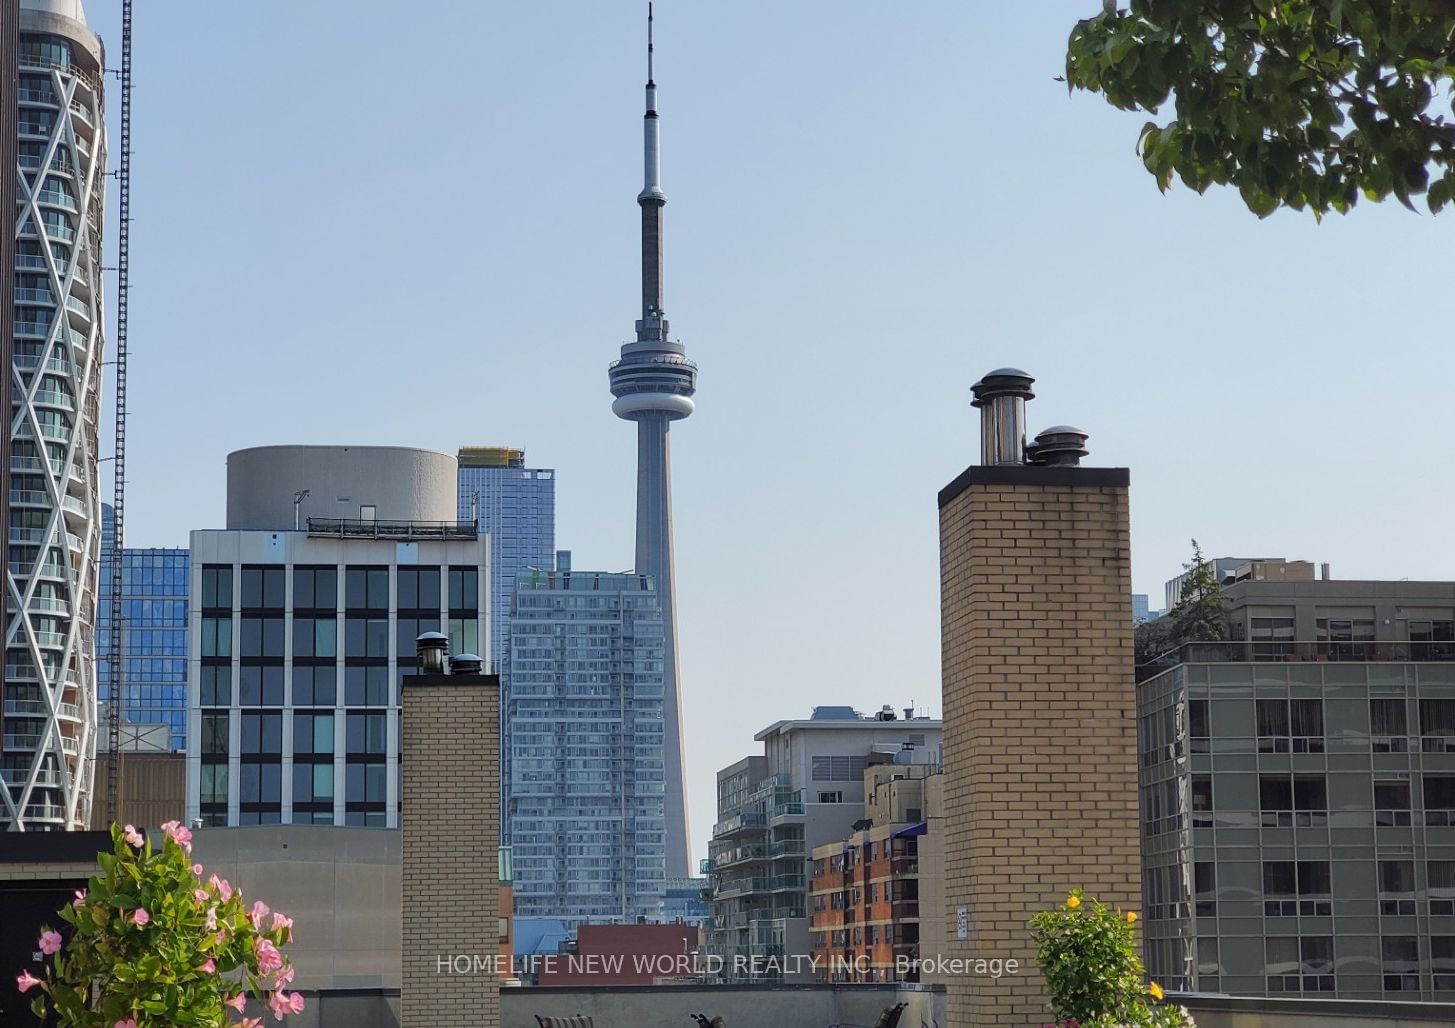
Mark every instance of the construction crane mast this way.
pixel 118 480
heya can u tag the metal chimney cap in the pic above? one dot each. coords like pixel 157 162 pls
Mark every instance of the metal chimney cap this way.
pixel 1059 446
pixel 466 664
pixel 1002 382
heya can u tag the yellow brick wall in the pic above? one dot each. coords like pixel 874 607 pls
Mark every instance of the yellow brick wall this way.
pixel 1040 717
pixel 450 819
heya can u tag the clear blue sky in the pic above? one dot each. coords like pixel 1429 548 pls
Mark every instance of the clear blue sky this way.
pixel 415 224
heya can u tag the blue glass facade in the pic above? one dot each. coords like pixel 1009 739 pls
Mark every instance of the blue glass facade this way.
pixel 516 506
pixel 584 771
pixel 154 640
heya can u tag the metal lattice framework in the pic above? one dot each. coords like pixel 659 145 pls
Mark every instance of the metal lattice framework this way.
pixel 55 527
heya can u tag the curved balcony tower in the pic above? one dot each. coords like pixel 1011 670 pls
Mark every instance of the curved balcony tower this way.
pixel 653 383
pixel 47 751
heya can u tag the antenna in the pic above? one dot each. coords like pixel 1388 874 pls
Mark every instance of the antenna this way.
pixel 649 42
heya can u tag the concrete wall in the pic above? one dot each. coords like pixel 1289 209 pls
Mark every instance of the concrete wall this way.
pixel 340 885
pixel 401 483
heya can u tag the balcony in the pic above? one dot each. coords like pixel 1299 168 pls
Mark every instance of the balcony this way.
pixel 904 908
pixel 904 866
pixel 1279 651
pixel 400 531
pixel 740 887
pixel 741 855
pixel 743 822
pixel 43 780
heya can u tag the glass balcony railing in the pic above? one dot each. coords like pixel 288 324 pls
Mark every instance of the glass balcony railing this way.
pixel 1283 651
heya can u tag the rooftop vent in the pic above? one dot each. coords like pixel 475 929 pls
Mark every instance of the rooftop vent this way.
pixel 834 714
pixel 466 664
pixel 1058 446
pixel 1001 397
pixel 886 713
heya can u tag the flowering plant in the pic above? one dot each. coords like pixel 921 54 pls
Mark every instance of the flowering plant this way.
pixel 152 943
pixel 1088 955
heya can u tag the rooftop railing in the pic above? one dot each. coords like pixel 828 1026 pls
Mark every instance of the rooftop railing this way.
pixel 1246 651
pixel 405 531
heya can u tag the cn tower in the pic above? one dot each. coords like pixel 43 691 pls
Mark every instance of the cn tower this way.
pixel 653 383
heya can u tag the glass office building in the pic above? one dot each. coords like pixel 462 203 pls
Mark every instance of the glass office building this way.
pixel 47 747
pixel 154 644
pixel 516 506
pixel 1298 796
pixel 584 765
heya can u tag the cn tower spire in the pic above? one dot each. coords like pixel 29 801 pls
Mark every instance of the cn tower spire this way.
pixel 652 200
pixel 653 384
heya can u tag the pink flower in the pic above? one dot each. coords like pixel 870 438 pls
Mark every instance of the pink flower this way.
pixel 179 834
pixel 212 918
pixel 50 942
pixel 282 1003
pixel 269 959
pixel 280 921
pixel 197 870
pixel 25 980
pixel 80 898
pixel 223 889
pixel 238 1002
pixel 285 977
pixel 139 916
pixel 133 837
pixel 256 915
pixel 250 1022
pixel 128 1023
pixel 200 895
pixel 207 966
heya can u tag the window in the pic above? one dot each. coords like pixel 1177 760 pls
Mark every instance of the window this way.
pixel 419 589
pixel 464 590
pixel 1388 726
pixel 1442 886
pixel 1401 963
pixel 831 797
pixel 312 784
pixel 366 637
pixel 217 637
pixel 313 734
pixel 1442 962
pixel 313 686
pixel 214 734
pixel 1290 726
pixel 315 588
pixel 365 733
pixel 1439 791
pixel 1345 638
pixel 216 686
pixel 1397 887
pixel 1272 638
pixel 1293 801
pixel 1437 726
pixel 366 686
pixel 1205 888
pixel 1391 802
pixel 366 589
pixel 260 686
pixel 262 734
pixel 1302 887
pixel 214 785
pixel 315 637
pixel 1432 640
pixel 1295 964
pixel 262 587
pixel 260 784
pixel 1202 801
pixel 216 587
pixel 1198 731
pixel 261 637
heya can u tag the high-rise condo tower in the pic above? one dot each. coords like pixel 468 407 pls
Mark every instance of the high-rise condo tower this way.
pixel 653 383
pixel 49 711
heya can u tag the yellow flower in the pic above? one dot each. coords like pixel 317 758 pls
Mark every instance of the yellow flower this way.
pixel 1156 991
pixel 1131 917
pixel 1073 902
